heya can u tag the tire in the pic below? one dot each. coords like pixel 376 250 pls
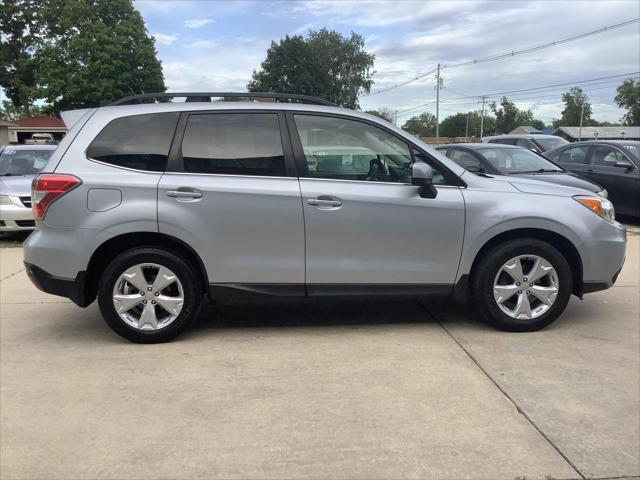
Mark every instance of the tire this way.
pixel 175 306
pixel 492 284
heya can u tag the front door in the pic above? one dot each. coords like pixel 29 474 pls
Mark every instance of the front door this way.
pixel 230 195
pixel 622 183
pixel 365 223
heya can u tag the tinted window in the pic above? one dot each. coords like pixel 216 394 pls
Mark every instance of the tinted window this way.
pixel 139 141
pixel 573 155
pixel 504 141
pixel 234 144
pixel 23 162
pixel 547 142
pixel 350 150
pixel 607 156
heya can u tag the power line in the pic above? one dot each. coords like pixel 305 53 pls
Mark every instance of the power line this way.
pixel 539 89
pixel 513 53
pixel 535 48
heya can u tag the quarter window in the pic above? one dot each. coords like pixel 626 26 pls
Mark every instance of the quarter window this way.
pixel 141 142
pixel 350 150
pixel 234 144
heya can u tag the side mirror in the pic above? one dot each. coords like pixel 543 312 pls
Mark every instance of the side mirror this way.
pixel 422 176
pixel 623 164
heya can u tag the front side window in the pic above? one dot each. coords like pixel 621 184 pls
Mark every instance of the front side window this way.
pixel 14 162
pixel 140 142
pixel 606 156
pixel 234 144
pixel 350 150
pixel 573 155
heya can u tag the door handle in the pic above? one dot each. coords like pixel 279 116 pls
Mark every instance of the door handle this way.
pixel 325 202
pixel 184 194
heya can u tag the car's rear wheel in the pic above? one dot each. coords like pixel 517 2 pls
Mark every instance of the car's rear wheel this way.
pixel 149 295
pixel 522 285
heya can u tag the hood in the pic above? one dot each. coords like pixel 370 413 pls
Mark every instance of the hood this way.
pixel 563 178
pixel 16 186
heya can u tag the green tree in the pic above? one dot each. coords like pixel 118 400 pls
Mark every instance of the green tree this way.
pixel 384 113
pixel 324 64
pixel 574 100
pixel 456 125
pixel 83 53
pixel 8 111
pixel 628 97
pixel 538 124
pixel 508 116
pixel 423 125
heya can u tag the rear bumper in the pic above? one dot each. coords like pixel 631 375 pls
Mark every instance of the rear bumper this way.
pixel 73 289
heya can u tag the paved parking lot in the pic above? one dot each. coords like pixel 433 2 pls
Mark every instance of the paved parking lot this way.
pixel 322 389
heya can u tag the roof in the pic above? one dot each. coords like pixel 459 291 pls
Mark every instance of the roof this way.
pixel 603 132
pixel 477 146
pixel 5 123
pixel 528 129
pixel 40 122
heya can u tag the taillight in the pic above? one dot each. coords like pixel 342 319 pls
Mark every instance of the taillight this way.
pixel 47 188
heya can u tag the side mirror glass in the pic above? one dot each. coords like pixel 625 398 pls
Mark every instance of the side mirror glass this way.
pixel 422 176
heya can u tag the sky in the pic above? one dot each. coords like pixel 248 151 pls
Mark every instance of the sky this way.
pixel 215 46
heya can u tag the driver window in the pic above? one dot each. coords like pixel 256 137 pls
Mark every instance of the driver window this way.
pixel 350 150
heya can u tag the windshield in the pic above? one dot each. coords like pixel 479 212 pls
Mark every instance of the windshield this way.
pixel 549 142
pixel 517 160
pixel 23 162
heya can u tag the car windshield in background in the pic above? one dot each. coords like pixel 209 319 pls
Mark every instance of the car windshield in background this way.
pixel 15 162
pixel 517 160
pixel 549 142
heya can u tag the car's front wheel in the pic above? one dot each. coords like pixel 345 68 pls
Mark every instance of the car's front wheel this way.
pixel 149 295
pixel 522 285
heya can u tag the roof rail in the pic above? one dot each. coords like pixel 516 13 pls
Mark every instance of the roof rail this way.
pixel 206 97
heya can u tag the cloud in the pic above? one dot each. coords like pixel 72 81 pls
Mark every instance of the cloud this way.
pixel 197 23
pixel 164 39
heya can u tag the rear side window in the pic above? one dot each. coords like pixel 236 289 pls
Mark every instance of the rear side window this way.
pixel 141 142
pixel 234 144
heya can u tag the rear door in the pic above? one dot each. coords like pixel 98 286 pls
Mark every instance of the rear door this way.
pixel 365 223
pixel 231 193
pixel 574 159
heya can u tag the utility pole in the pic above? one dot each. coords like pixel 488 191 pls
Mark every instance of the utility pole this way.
pixel 466 129
pixel 482 118
pixel 438 104
pixel 581 115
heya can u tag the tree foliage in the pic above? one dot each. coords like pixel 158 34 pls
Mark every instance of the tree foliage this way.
pixel 628 97
pixel 384 113
pixel 8 111
pixel 508 116
pixel 75 53
pixel 456 125
pixel 324 64
pixel 573 100
pixel 423 125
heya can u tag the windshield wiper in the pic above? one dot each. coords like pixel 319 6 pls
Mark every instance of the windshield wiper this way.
pixel 541 170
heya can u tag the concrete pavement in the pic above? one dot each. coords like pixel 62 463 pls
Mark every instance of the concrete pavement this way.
pixel 320 389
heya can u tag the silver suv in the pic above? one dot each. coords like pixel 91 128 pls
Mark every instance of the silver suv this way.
pixel 153 207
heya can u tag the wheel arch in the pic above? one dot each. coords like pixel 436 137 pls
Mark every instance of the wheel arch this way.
pixel 560 242
pixel 118 244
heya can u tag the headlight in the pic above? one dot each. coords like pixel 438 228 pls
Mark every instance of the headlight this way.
pixel 603 193
pixel 600 206
pixel 5 200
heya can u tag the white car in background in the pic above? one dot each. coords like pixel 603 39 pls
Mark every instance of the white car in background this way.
pixel 19 164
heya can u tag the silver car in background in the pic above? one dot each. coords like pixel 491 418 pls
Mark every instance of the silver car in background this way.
pixel 151 207
pixel 19 164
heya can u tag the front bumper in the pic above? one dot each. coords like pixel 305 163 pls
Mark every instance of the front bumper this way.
pixel 73 289
pixel 603 255
pixel 16 216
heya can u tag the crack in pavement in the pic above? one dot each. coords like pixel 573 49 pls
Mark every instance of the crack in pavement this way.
pixel 504 392
pixel 13 274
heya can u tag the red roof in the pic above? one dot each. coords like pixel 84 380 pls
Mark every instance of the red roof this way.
pixel 40 122
pixel 4 123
